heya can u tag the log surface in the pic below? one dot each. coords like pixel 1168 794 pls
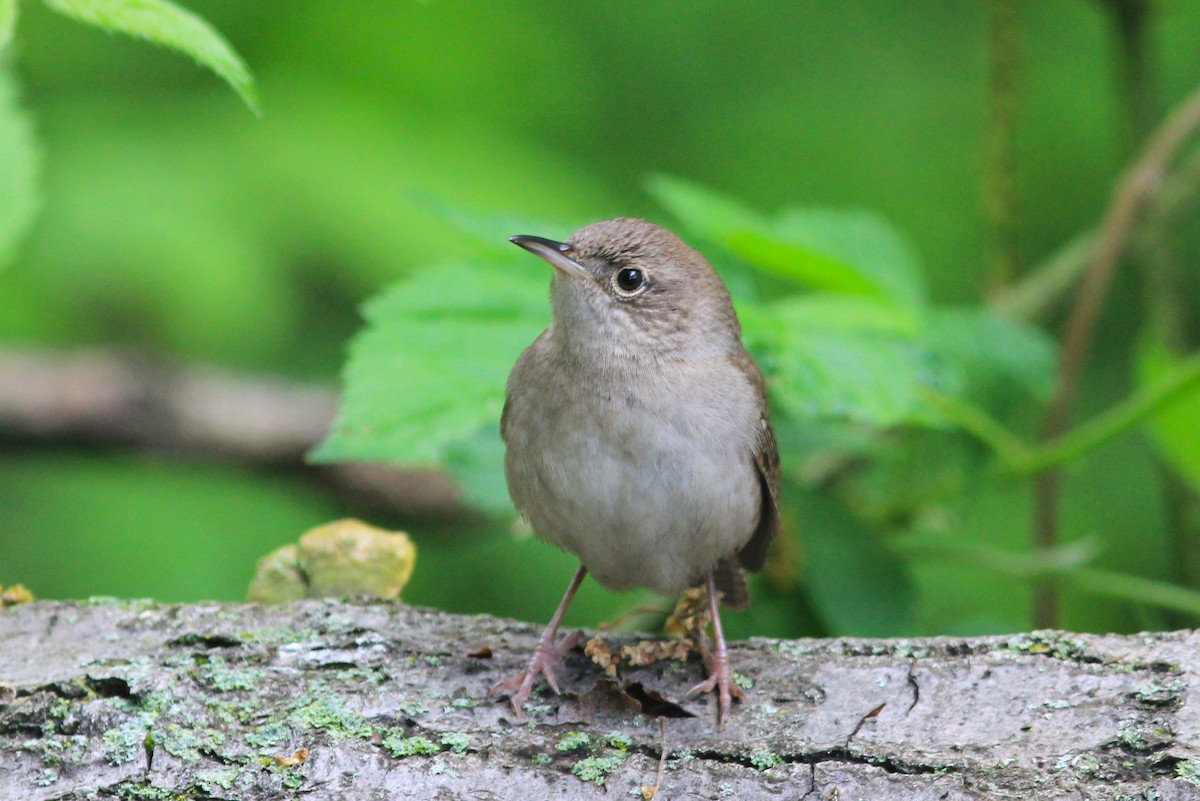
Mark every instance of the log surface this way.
pixel 341 700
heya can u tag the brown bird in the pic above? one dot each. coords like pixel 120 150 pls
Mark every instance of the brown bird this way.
pixel 637 432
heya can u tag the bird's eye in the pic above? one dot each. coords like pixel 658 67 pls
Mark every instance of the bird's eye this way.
pixel 629 280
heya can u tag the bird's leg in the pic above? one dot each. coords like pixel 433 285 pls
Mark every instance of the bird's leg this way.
pixel 720 676
pixel 545 656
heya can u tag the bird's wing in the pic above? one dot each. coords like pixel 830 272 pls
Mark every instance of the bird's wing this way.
pixel 516 367
pixel 766 459
pixel 729 573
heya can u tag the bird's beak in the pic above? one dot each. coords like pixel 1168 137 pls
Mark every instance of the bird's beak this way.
pixel 558 254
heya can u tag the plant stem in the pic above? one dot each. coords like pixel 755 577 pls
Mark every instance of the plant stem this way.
pixel 1008 447
pixel 1133 191
pixel 1019 459
pixel 1144 403
pixel 999 178
pixel 1041 289
pixel 1135 588
pixel 1059 565
pixel 1131 18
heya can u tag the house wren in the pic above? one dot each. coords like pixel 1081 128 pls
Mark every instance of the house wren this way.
pixel 637 431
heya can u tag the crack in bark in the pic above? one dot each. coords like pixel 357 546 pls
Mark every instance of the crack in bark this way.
pixel 194 640
pixel 67 690
pixel 916 688
pixel 111 687
pixel 844 755
pixel 812 783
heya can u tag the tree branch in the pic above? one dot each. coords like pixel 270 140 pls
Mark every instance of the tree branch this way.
pixel 321 699
pixel 115 399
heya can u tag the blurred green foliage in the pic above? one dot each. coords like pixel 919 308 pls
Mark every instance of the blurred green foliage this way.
pixel 171 220
pixel 18 169
pixel 164 23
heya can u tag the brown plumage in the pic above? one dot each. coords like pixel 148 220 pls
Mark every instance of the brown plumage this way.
pixel 637 430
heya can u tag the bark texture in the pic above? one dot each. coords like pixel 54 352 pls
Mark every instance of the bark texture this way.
pixel 323 699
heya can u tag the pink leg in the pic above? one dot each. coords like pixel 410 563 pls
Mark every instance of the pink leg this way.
pixel 720 676
pixel 545 656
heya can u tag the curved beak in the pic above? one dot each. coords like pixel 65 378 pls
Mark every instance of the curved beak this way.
pixel 558 254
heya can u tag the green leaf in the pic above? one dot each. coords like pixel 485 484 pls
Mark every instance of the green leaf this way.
pixel 857 244
pixel 831 313
pixel 851 252
pixel 911 472
pixel 704 212
pixel 859 586
pixel 867 360
pixel 991 353
pixel 1174 430
pixel 8 21
pixel 868 379
pixel 428 372
pixel 1176 384
pixel 165 23
pixel 19 163
pixel 846 357
pixel 800 264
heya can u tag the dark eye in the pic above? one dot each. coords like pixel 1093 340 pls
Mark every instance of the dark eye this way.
pixel 630 279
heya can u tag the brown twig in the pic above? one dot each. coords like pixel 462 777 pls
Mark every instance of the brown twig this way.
pixel 1039 293
pixel 1133 192
pixel 651 792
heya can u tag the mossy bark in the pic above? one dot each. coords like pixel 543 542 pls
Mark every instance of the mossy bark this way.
pixel 322 699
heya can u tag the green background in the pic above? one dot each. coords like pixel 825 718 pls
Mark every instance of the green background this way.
pixel 173 221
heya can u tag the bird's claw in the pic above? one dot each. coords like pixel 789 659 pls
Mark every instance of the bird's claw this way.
pixel 720 678
pixel 545 656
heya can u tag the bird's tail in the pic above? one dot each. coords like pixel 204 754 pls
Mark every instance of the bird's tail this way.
pixel 731 583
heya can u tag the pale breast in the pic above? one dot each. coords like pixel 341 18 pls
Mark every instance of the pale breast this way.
pixel 650 487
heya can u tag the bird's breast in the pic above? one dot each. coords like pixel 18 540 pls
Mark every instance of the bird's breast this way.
pixel 648 480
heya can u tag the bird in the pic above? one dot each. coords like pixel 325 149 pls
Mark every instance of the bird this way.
pixel 637 433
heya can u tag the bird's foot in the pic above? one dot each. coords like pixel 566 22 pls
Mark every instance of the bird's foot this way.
pixel 545 656
pixel 720 678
